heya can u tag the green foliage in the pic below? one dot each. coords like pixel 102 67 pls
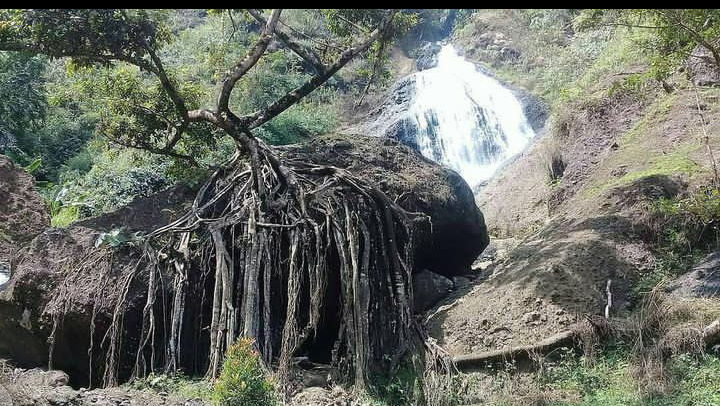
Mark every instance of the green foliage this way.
pixel 118 237
pixel 347 23
pixel 116 178
pixel 63 216
pixel 22 105
pixel 242 381
pixel 183 387
pixel 675 33
pixel 93 35
pixel 608 382
pixel 403 388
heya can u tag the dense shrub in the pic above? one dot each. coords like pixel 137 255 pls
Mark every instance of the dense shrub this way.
pixel 242 381
pixel 116 178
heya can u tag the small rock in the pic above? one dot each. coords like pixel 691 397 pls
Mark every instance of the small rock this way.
pixel 428 288
pixel 530 317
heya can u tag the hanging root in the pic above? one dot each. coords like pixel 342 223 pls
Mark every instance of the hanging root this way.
pixel 261 247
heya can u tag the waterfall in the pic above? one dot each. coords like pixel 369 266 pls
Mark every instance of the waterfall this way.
pixel 465 119
pixel 4 275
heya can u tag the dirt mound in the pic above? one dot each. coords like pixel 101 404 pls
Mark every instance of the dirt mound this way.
pixel 548 282
pixel 63 273
pixel 591 227
pixel 22 212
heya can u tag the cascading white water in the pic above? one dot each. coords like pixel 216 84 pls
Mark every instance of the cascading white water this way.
pixel 4 276
pixel 465 119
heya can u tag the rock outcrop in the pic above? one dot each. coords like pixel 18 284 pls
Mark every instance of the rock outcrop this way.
pixel 702 281
pixel 429 287
pixel 702 68
pixel 22 212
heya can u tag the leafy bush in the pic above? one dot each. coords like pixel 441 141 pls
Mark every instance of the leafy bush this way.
pixel 404 387
pixel 63 216
pixel 116 178
pixel 242 381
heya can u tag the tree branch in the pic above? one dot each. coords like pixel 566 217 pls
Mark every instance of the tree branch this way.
pixel 260 117
pixel 242 67
pixel 304 52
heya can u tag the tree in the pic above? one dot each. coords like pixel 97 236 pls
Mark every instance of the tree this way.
pixel 23 104
pixel 678 31
pixel 266 229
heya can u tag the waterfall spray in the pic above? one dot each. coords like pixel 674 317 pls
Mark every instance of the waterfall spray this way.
pixel 465 119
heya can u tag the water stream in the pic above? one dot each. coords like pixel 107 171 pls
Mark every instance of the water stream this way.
pixel 465 119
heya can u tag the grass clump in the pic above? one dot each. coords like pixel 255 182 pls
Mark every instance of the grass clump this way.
pixel 243 381
pixel 178 385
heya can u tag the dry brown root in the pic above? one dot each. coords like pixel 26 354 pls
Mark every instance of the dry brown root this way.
pixel 265 241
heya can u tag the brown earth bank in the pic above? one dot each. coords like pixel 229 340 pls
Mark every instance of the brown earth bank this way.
pixel 63 289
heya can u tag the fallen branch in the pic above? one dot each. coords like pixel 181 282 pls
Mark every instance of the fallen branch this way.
pixel 569 338
pixel 520 353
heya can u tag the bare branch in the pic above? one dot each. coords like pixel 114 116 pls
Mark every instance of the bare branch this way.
pixel 242 67
pixel 160 151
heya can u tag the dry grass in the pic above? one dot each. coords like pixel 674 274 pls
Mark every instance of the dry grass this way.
pixel 662 327
pixel 552 159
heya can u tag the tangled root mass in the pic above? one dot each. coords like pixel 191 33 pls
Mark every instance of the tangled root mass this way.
pixel 283 253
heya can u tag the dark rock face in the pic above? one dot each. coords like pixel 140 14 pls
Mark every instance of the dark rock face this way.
pixel 428 288
pixel 534 108
pixel 426 56
pixel 702 281
pixel 62 274
pixel 702 69
pixel 389 119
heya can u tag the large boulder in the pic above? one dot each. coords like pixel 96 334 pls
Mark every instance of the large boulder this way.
pixel 63 289
pixel 457 233
pixel 60 281
pixel 429 288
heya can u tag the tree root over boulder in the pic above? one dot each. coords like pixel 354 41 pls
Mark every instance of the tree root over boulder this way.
pixel 271 250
